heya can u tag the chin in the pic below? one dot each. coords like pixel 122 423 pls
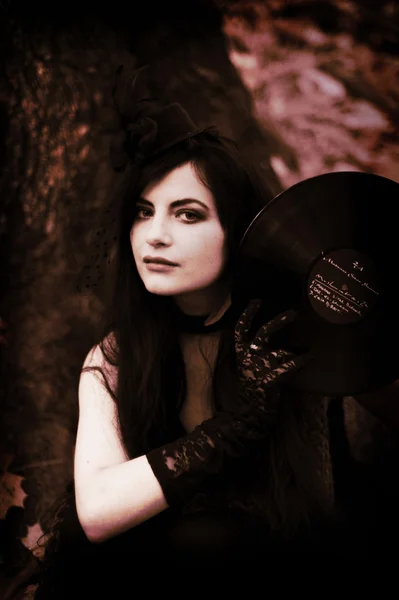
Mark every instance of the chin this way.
pixel 163 290
pixel 158 292
pixel 170 290
pixel 154 285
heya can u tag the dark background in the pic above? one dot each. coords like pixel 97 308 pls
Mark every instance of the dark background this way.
pixel 305 87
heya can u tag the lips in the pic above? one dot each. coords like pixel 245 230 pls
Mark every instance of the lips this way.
pixel 159 261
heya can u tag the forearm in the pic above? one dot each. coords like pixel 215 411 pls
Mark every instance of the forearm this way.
pixel 117 498
pixel 113 499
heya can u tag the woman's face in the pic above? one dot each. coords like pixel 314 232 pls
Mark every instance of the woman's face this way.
pixel 176 220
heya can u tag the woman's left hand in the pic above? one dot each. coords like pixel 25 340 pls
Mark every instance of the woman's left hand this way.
pixel 260 367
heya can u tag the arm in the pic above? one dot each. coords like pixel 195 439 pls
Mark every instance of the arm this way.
pixel 113 493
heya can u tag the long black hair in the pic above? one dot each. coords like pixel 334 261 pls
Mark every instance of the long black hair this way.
pixel 138 339
pixel 140 344
pixel 144 373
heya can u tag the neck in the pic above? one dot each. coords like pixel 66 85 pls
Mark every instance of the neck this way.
pixel 203 302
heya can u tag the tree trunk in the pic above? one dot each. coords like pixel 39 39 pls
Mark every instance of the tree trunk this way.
pixel 55 95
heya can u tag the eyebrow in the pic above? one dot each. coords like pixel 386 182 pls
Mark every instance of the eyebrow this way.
pixel 177 203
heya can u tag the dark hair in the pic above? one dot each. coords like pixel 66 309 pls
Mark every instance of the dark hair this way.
pixel 137 336
pixel 140 341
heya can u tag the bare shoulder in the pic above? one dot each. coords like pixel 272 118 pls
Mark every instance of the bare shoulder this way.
pixel 98 440
pixel 96 357
pixel 98 363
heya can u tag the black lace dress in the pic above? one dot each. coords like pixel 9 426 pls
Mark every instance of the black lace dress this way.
pixel 206 535
pixel 206 538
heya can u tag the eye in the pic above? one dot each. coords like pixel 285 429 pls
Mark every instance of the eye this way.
pixel 191 216
pixel 142 212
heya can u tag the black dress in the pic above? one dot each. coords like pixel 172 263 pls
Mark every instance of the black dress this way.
pixel 212 537
pixel 215 538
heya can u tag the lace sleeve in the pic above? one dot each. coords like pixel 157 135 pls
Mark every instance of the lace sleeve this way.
pixel 184 465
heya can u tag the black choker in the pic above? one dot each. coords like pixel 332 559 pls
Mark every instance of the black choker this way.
pixel 196 324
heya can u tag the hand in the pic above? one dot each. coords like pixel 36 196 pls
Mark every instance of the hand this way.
pixel 260 367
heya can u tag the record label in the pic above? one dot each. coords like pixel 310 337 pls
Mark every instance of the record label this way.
pixel 343 286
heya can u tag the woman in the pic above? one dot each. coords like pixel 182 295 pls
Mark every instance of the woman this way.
pixel 176 219
pixel 189 447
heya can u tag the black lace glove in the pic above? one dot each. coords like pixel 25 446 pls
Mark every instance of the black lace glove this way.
pixel 182 466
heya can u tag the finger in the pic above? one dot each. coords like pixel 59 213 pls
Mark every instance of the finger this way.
pixel 278 357
pixel 282 320
pixel 286 370
pixel 270 359
pixel 302 360
pixel 243 324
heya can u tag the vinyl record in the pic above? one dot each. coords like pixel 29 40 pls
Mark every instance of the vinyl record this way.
pixel 328 247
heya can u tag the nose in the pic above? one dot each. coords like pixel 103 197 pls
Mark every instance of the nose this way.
pixel 158 234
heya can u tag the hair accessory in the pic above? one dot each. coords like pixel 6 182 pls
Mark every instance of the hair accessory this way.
pixel 145 128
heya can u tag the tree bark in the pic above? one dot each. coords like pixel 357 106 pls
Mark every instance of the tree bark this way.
pixel 55 96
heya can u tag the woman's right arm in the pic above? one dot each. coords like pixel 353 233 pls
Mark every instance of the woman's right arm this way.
pixel 113 493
